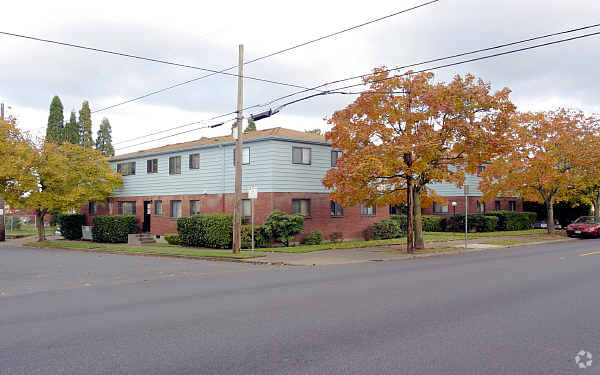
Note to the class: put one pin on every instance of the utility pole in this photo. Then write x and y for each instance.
(2, 228)
(2, 111)
(237, 213)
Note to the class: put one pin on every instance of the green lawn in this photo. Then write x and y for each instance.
(428, 237)
(226, 254)
(28, 229)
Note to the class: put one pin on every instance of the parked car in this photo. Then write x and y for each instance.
(585, 226)
(543, 224)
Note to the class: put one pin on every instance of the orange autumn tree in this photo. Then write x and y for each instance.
(409, 131)
(544, 163)
(588, 189)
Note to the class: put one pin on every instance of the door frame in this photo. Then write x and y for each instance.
(146, 227)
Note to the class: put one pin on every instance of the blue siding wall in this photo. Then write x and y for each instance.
(446, 189)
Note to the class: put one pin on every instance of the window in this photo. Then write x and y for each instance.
(480, 169)
(301, 155)
(301, 206)
(175, 165)
(195, 161)
(175, 209)
(126, 208)
(336, 209)
(194, 207)
(158, 208)
(439, 209)
(481, 207)
(398, 210)
(92, 208)
(335, 155)
(497, 206)
(512, 206)
(110, 208)
(152, 166)
(245, 155)
(367, 210)
(246, 208)
(126, 169)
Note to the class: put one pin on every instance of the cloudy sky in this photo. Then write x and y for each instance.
(206, 34)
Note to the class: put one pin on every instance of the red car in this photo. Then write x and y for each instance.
(585, 226)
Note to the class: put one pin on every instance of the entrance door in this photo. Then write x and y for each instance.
(147, 215)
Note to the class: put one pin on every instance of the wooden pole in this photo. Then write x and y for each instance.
(237, 213)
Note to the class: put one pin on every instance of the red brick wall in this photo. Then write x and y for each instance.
(352, 224)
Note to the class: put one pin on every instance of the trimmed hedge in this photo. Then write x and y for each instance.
(261, 239)
(214, 230)
(283, 227)
(513, 220)
(476, 222)
(70, 226)
(313, 238)
(394, 227)
(433, 223)
(114, 228)
(172, 239)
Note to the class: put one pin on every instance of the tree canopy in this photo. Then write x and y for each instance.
(72, 129)
(55, 132)
(104, 139)
(85, 125)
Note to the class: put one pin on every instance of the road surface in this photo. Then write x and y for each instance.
(526, 310)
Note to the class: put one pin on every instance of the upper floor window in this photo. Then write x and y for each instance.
(512, 205)
(175, 165)
(439, 209)
(480, 169)
(336, 209)
(152, 166)
(301, 206)
(126, 169)
(367, 210)
(175, 209)
(301, 155)
(335, 155)
(195, 161)
(126, 208)
(92, 208)
(245, 155)
(194, 207)
(158, 209)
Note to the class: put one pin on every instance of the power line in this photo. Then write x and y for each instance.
(336, 90)
(266, 56)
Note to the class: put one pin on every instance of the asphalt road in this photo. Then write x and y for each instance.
(525, 310)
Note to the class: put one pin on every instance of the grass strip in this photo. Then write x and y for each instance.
(226, 254)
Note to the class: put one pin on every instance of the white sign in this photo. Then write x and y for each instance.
(1, 212)
(253, 192)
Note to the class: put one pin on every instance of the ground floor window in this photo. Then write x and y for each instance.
(336, 209)
(92, 208)
(194, 207)
(158, 209)
(175, 209)
(126, 208)
(246, 208)
(481, 207)
(301, 206)
(366, 210)
(398, 210)
(497, 206)
(512, 205)
(439, 209)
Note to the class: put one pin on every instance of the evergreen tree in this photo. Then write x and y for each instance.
(72, 130)
(85, 125)
(104, 139)
(55, 132)
(251, 126)
(313, 131)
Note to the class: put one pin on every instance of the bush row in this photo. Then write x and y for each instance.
(113, 229)
(70, 226)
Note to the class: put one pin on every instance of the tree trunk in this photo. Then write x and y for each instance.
(550, 214)
(40, 225)
(418, 223)
(596, 203)
(409, 206)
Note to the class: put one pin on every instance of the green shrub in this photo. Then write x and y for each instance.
(70, 226)
(283, 227)
(433, 223)
(386, 229)
(513, 220)
(55, 220)
(172, 239)
(261, 239)
(476, 222)
(313, 238)
(214, 230)
(113, 229)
